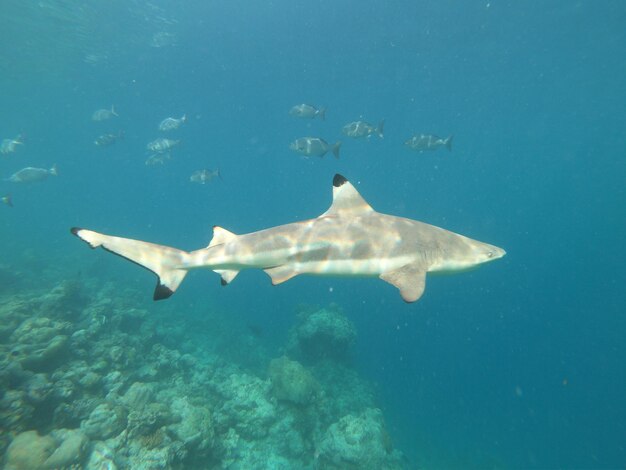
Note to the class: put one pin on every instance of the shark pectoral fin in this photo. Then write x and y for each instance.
(227, 275)
(410, 279)
(280, 274)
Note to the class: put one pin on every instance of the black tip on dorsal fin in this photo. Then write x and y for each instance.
(162, 292)
(339, 180)
(223, 282)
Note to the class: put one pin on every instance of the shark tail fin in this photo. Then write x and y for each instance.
(169, 264)
(336, 148)
(322, 114)
(53, 170)
(448, 143)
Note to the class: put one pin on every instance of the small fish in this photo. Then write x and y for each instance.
(162, 145)
(170, 123)
(103, 114)
(31, 175)
(105, 140)
(8, 146)
(157, 159)
(6, 199)
(306, 111)
(359, 129)
(204, 176)
(424, 142)
(314, 147)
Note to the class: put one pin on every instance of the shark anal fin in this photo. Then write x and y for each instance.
(409, 279)
(227, 275)
(280, 274)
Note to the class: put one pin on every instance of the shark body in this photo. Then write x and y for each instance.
(349, 239)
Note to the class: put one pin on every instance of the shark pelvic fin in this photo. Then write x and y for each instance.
(227, 275)
(410, 279)
(220, 236)
(280, 274)
(346, 199)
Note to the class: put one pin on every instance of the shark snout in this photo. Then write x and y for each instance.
(494, 252)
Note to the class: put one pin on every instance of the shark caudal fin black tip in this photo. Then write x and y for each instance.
(162, 292)
(75, 230)
(339, 180)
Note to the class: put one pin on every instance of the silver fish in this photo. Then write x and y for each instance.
(157, 159)
(423, 142)
(8, 146)
(170, 123)
(31, 175)
(314, 147)
(162, 145)
(306, 111)
(105, 140)
(204, 176)
(103, 114)
(358, 129)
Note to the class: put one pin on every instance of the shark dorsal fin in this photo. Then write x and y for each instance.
(346, 199)
(220, 236)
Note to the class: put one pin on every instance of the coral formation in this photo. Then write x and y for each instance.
(98, 382)
(60, 449)
(29, 450)
(104, 421)
(358, 442)
(322, 334)
(292, 382)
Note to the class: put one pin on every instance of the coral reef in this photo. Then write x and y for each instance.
(29, 450)
(358, 442)
(98, 382)
(60, 449)
(104, 421)
(292, 382)
(321, 334)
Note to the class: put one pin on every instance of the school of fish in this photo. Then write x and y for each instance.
(160, 149)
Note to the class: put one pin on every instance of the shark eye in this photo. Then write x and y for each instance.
(490, 254)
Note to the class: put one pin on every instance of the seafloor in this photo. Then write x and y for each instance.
(91, 380)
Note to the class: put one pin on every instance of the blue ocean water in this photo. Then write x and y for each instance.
(516, 365)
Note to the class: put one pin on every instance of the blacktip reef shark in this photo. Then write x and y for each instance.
(349, 239)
